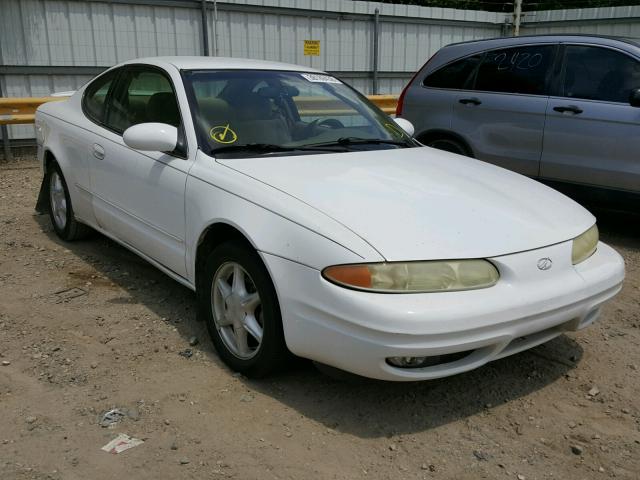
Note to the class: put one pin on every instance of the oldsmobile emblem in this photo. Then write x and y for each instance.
(544, 263)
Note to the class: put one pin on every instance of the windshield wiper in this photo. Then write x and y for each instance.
(359, 141)
(269, 148)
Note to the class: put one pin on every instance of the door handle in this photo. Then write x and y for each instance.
(470, 101)
(568, 108)
(98, 151)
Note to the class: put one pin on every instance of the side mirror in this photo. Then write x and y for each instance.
(405, 125)
(634, 97)
(156, 137)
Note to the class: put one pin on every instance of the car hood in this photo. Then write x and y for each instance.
(421, 203)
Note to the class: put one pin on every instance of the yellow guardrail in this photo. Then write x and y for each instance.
(14, 111)
(386, 103)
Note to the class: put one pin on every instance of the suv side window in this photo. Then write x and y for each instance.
(456, 75)
(516, 70)
(94, 98)
(596, 73)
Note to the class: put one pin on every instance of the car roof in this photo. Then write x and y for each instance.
(220, 63)
(551, 37)
(454, 51)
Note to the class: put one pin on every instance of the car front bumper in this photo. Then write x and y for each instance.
(357, 331)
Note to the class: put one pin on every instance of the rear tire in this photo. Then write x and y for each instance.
(449, 145)
(241, 310)
(60, 209)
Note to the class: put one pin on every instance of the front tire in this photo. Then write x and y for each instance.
(449, 145)
(60, 208)
(241, 310)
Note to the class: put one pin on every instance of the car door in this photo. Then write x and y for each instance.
(74, 139)
(592, 133)
(139, 196)
(502, 115)
(427, 104)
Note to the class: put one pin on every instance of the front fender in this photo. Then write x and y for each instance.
(224, 196)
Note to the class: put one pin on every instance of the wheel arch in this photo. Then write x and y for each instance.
(214, 234)
(438, 133)
(48, 159)
(42, 204)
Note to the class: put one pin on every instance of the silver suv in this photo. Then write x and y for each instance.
(559, 108)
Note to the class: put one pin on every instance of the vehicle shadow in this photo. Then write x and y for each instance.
(126, 279)
(370, 408)
(362, 407)
(618, 228)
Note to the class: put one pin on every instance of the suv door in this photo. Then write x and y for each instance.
(502, 114)
(427, 104)
(592, 134)
(139, 196)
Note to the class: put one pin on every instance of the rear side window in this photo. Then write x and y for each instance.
(516, 70)
(456, 75)
(595, 73)
(95, 96)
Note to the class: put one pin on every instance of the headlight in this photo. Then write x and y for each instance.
(414, 277)
(585, 245)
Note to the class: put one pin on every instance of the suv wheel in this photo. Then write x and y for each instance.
(449, 145)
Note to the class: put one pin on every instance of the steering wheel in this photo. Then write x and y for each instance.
(331, 123)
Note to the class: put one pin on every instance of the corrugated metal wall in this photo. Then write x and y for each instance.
(616, 21)
(56, 45)
(84, 35)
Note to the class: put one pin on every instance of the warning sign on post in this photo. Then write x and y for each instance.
(312, 47)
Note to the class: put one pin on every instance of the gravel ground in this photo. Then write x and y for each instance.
(88, 326)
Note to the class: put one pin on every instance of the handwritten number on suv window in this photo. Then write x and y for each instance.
(518, 60)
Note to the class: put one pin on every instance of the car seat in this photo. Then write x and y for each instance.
(258, 122)
(163, 108)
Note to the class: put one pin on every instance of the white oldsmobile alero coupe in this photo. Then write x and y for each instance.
(310, 222)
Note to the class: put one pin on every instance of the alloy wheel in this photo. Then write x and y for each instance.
(58, 200)
(237, 310)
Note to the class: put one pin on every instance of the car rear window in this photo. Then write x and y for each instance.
(456, 75)
(93, 101)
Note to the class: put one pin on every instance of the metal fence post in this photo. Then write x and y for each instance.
(517, 16)
(5, 138)
(205, 29)
(376, 32)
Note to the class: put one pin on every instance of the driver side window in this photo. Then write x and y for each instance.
(595, 73)
(143, 95)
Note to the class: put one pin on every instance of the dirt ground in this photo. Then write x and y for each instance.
(88, 326)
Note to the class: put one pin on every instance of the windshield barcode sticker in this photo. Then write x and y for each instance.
(317, 78)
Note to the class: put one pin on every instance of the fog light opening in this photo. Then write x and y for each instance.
(422, 362)
(406, 362)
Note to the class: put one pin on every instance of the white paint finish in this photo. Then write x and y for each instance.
(305, 213)
(357, 331)
(139, 197)
(403, 201)
(405, 125)
(272, 220)
(153, 137)
(212, 63)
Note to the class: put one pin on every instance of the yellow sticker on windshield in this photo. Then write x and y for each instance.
(223, 134)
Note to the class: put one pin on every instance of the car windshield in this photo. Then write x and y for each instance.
(240, 113)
